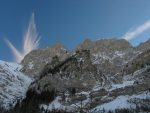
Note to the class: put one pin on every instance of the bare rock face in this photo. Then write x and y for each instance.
(111, 53)
(76, 71)
(104, 45)
(35, 61)
(74, 74)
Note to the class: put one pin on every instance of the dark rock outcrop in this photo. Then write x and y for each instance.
(75, 71)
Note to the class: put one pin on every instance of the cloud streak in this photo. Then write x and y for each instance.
(140, 29)
(31, 37)
(17, 54)
(30, 41)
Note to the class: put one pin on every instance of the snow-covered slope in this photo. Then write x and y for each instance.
(13, 84)
(122, 102)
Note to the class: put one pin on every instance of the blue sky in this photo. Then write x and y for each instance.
(71, 21)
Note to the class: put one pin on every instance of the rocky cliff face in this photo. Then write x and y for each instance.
(76, 71)
(74, 74)
(105, 45)
(35, 61)
(111, 53)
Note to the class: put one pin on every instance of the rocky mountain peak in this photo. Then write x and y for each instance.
(105, 45)
(45, 55)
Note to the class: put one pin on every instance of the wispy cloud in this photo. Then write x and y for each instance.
(140, 29)
(17, 54)
(31, 37)
(30, 42)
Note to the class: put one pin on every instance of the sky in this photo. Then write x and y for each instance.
(71, 21)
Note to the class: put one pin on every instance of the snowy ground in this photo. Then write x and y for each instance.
(56, 105)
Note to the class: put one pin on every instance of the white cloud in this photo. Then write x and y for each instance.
(30, 42)
(140, 29)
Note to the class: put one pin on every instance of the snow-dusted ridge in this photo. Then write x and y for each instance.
(13, 84)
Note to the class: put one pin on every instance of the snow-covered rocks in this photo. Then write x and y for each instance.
(13, 84)
(123, 102)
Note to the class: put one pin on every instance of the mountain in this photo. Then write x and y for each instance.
(106, 75)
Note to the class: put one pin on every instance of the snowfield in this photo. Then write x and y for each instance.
(13, 84)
